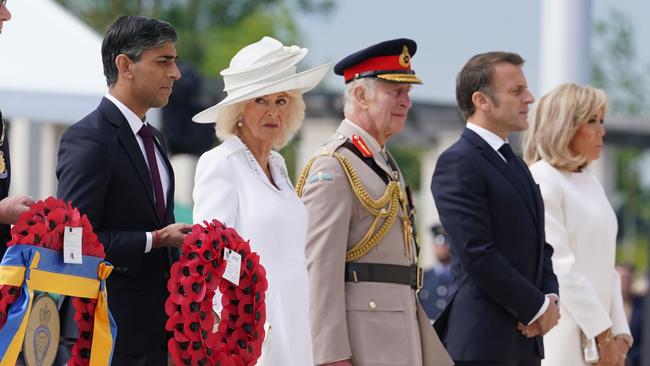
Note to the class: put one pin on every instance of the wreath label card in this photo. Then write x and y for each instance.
(233, 266)
(72, 245)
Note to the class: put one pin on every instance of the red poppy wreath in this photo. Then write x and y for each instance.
(43, 226)
(194, 279)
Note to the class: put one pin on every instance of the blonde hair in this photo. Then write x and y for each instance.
(554, 120)
(230, 115)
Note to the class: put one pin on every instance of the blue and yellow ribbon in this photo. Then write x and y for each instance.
(40, 269)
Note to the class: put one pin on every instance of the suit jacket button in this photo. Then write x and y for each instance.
(166, 275)
(372, 304)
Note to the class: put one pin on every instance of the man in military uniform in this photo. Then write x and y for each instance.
(435, 289)
(361, 253)
(10, 207)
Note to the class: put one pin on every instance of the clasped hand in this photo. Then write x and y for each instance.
(544, 323)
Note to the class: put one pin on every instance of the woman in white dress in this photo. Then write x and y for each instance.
(565, 134)
(244, 183)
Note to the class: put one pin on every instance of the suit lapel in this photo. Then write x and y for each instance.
(130, 145)
(488, 152)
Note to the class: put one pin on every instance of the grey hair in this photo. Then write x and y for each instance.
(368, 84)
(229, 116)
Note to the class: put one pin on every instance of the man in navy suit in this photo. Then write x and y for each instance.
(113, 166)
(505, 292)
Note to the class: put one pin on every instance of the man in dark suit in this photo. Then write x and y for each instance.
(113, 166)
(506, 293)
(10, 207)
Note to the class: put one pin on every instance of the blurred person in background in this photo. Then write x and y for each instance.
(10, 207)
(435, 289)
(633, 302)
(565, 135)
(244, 183)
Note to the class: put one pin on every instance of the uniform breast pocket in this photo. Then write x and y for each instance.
(377, 324)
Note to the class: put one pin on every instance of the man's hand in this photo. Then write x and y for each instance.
(171, 235)
(545, 322)
(529, 331)
(338, 363)
(12, 207)
(550, 317)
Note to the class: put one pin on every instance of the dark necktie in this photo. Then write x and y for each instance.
(147, 137)
(507, 153)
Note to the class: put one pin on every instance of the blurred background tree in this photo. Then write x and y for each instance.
(617, 70)
(210, 31)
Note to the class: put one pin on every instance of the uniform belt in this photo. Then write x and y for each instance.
(388, 273)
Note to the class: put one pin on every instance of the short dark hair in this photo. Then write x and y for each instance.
(476, 75)
(131, 35)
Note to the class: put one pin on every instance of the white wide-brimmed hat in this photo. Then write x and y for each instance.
(262, 68)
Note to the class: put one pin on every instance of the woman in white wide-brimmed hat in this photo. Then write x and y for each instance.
(244, 183)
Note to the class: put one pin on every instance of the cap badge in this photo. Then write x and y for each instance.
(405, 57)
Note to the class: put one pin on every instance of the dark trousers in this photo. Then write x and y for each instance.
(152, 359)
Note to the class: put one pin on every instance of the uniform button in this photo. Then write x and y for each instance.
(441, 290)
(372, 305)
(424, 294)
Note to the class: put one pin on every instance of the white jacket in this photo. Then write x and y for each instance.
(581, 226)
(231, 187)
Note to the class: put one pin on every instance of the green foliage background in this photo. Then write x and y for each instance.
(617, 70)
(210, 31)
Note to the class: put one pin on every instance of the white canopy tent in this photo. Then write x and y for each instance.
(51, 75)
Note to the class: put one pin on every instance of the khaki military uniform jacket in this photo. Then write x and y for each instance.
(371, 323)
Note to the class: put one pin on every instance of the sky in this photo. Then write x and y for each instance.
(448, 33)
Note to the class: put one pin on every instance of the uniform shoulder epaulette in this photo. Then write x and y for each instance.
(332, 145)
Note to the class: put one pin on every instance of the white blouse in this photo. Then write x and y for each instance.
(581, 226)
(231, 186)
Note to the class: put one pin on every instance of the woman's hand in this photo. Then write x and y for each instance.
(623, 347)
(610, 355)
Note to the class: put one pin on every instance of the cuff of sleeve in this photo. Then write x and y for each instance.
(149, 242)
(541, 311)
(627, 338)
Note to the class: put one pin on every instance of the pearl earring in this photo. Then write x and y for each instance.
(239, 124)
(240, 121)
